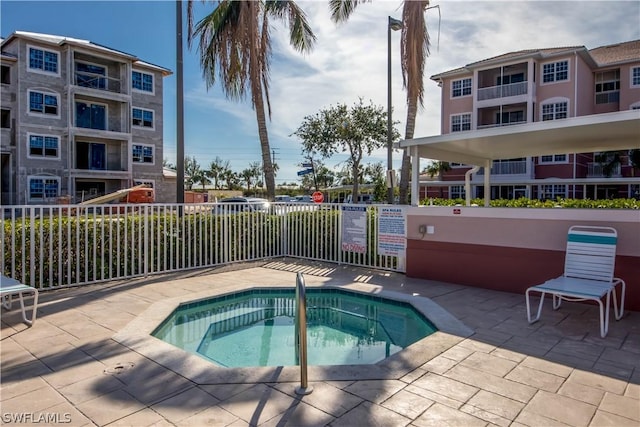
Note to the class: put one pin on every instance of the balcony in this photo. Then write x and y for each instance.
(502, 91)
(508, 167)
(596, 170)
(495, 125)
(608, 97)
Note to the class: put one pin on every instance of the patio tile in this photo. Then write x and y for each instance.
(632, 343)
(546, 366)
(143, 418)
(624, 406)
(22, 371)
(415, 374)
(573, 361)
(491, 364)
(408, 404)
(375, 390)
(90, 388)
(35, 401)
(110, 407)
(440, 415)
(150, 388)
(535, 378)
(214, 416)
(520, 392)
(477, 346)
(491, 336)
(457, 353)
(613, 369)
(633, 390)
(64, 375)
(325, 397)
(606, 419)
(258, 404)
(598, 381)
(533, 419)
(581, 392)
(561, 408)
(66, 414)
(447, 387)
(493, 420)
(11, 390)
(370, 415)
(184, 404)
(496, 404)
(578, 348)
(622, 357)
(224, 391)
(300, 414)
(439, 365)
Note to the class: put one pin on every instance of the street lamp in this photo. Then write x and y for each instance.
(394, 25)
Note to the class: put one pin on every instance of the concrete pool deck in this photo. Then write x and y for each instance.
(88, 360)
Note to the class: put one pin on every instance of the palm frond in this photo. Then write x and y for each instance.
(341, 10)
(414, 48)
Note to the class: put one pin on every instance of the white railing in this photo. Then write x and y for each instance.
(54, 246)
(502, 91)
(596, 170)
(517, 167)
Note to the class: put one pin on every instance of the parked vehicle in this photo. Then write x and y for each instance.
(303, 199)
(243, 204)
(283, 198)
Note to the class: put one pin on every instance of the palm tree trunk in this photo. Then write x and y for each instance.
(267, 166)
(405, 172)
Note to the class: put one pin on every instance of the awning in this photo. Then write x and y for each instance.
(619, 130)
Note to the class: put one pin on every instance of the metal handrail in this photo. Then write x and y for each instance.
(301, 335)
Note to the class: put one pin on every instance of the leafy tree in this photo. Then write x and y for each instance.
(414, 49)
(358, 130)
(375, 174)
(193, 172)
(610, 160)
(216, 170)
(234, 44)
(437, 168)
(167, 164)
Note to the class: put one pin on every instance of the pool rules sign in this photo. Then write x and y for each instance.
(354, 229)
(392, 227)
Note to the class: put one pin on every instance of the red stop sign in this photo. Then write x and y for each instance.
(317, 197)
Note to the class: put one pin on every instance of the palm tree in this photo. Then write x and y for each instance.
(414, 49)
(216, 170)
(235, 46)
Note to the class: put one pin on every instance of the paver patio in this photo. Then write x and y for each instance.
(74, 368)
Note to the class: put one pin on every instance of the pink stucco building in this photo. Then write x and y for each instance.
(533, 86)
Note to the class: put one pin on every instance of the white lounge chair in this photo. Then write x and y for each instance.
(588, 274)
(10, 288)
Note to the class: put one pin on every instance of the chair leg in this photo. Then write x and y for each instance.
(24, 311)
(542, 294)
(619, 312)
(604, 317)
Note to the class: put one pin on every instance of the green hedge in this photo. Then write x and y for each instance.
(534, 203)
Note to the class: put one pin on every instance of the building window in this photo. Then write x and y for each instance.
(5, 121)
(41, 60)
(461, 122)
(555, 71)
(142, 153)
(608, 87)
(149, 183)
(91, 75)
(142, 81)
(555, 158)
(510, 117)
(142, 118)
(460, 88)
(43, 103)
(510, 79)
(554, 111)
(635, 77)
(456, 192)
(41, 188)
(552, 192)
(43, 145)
(91, 116)
(5, 75)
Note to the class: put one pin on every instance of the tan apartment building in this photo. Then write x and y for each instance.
(78, 120)
(534, 86)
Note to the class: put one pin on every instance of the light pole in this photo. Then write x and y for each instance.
(394, 25)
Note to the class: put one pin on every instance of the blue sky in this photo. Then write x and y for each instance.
(348, 62)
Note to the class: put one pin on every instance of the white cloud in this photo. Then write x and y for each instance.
(350, 60)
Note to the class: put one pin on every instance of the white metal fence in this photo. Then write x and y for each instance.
(54, 246)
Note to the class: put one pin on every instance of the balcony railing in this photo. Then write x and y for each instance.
(608, 97)
(97, 81)
(502, 91)
(596, 170)
(516, 167)
(495, 125)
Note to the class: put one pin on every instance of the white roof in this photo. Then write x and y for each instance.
(585, 134)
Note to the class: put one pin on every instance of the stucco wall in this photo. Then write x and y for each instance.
(512, 249)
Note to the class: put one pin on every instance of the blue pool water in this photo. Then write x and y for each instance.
(256, 328)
